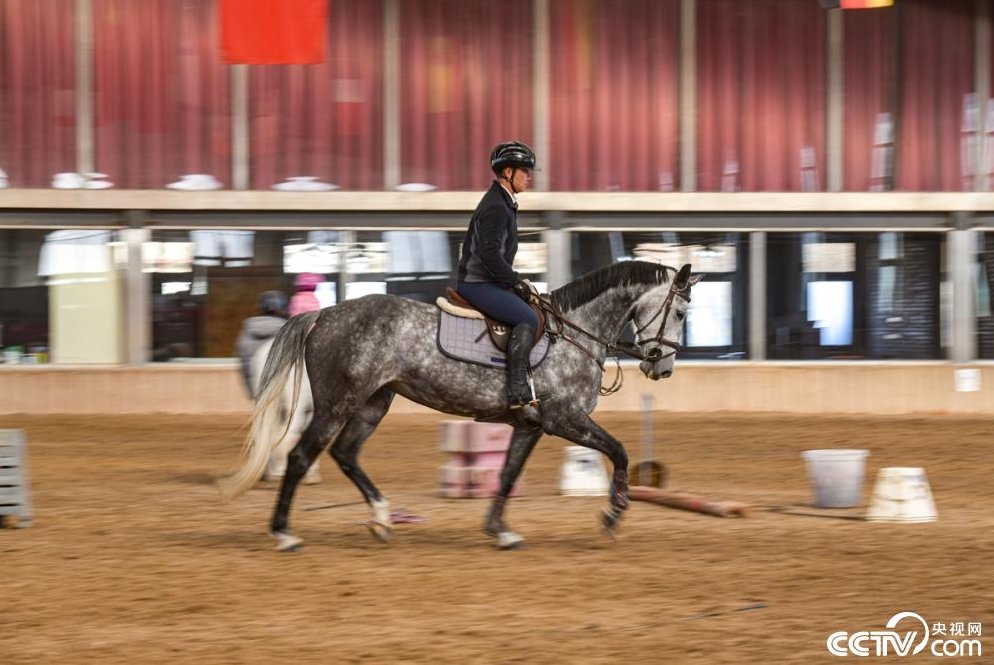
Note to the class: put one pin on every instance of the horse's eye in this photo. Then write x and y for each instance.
(680, 316)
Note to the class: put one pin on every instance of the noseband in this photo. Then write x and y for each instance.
(655, 354)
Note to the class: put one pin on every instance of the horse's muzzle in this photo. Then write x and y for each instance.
(649, 370)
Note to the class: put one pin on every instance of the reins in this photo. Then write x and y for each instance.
(554, 315)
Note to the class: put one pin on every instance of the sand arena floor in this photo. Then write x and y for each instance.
(132, 558)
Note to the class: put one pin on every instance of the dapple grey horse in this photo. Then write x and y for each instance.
(362, 352)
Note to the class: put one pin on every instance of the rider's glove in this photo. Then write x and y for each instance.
(523, 290)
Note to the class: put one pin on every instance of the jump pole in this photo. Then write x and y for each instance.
(683, 501)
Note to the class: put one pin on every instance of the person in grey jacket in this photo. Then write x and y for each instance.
(257, 329)
(486, 276)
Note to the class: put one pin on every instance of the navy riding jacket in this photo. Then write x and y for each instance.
(491, 240)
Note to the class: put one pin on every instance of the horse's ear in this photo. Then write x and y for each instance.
(696, 278)
(682, 277)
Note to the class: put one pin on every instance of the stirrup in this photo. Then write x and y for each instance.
(532, 403)
(527, 414)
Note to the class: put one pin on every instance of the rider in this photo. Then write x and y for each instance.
(257, 329)
(486, 278)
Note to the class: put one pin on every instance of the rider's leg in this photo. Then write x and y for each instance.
(504, 305)
(519, 348)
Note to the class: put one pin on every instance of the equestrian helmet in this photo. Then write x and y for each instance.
(273, 303)
(512, 153)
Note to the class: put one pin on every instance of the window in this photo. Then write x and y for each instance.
(206, 282)
(853, 295)
(61, 296)
(716, 325)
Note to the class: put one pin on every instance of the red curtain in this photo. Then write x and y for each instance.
(37, 90)
(614, 95)
(761, 95)
(466, 85)
(937, 70)
(162, 105)
(869, 100)
(324, 120)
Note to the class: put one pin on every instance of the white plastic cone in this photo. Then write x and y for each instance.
(583, 473)
(902, 494)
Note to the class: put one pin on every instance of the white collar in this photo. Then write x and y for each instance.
(514, 199)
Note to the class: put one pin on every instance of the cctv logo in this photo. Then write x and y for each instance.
(907, 642)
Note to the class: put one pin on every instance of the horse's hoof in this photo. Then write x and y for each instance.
(286, 542)
(508, 540)
(609, 523)
(382, 532)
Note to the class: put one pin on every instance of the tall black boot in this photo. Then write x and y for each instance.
(519, 348)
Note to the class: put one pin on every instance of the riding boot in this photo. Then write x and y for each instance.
(519, 393)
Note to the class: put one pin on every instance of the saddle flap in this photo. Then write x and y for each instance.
(499, 331)
(468, 340)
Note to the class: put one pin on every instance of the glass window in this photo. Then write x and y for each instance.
(206, 282)
(716, 323)
(61, 296)
(985, 293)
(851, 296)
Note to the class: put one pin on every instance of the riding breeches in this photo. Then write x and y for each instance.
(498, 302)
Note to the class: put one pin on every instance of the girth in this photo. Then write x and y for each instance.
(499, 331)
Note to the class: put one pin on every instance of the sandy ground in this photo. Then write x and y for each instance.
(132, 558)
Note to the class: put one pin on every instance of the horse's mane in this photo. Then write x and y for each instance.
(587, 287)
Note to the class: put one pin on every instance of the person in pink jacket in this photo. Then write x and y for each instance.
(304, 299)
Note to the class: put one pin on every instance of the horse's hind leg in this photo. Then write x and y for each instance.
(300, 459)
(345, 451)
(522, 443)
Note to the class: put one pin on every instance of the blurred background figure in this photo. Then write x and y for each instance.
(252, 348)
(304, 299)
(256, 330)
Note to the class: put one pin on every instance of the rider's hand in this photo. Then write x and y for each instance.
(522, 290)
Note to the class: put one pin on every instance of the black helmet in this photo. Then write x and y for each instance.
(512, 153)
(272, 303)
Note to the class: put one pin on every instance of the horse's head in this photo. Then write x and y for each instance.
(659, 316)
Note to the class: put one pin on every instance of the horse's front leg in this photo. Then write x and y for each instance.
(578, 427)
(523, 441)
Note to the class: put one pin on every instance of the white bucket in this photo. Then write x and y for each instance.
(836, 476)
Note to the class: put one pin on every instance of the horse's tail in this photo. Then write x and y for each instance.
(271, 417)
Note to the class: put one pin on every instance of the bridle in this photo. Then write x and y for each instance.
(654, 354)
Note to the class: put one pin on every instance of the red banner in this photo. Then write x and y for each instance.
(273, 32)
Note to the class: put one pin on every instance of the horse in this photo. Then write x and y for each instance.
(296, 414)
(362, 352)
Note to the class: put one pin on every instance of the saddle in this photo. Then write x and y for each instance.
(499, 331)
